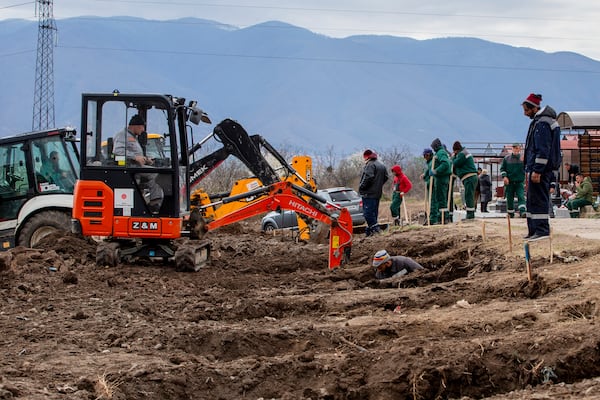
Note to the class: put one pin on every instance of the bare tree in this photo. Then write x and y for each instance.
(222, 179)
(394, 155)
(350, 170)
(330, 172)
(329, 169)
(324, 169)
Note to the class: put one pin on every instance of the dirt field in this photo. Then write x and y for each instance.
(268, 320)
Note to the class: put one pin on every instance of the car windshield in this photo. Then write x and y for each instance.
(344, 195)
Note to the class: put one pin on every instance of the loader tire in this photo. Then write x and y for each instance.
(42, 225)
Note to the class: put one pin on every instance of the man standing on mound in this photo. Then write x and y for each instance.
(542, 155)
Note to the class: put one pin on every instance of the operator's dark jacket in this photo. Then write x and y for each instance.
(374, 176)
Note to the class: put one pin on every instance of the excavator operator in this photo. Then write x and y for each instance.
(127, 145)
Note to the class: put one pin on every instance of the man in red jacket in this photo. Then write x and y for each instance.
(401, 186)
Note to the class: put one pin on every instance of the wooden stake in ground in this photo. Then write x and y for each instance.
(405, 211)
(430, 189)
(527, 261)
(450, 194)
(429, 202)
(427, 208)
(551, 253)
(509, 232)
(483, 229)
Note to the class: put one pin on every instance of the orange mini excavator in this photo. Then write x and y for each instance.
(139, 206)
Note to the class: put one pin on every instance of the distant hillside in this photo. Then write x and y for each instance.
(300, 89)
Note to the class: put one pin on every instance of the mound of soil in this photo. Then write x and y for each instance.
(267, 319)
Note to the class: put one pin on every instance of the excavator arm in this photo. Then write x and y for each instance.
(282, 196)
(238, 143)
(249, 150)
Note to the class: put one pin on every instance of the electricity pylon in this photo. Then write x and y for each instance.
(43, 98)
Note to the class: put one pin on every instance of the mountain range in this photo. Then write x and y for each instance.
(300, 90)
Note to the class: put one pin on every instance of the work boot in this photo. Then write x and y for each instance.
(574, 214)
(397, 221)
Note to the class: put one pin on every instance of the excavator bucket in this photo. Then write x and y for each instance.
(340, 240)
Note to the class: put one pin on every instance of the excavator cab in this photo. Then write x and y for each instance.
(109, 157)
(137, 206)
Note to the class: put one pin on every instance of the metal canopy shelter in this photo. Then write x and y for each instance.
(579, 120)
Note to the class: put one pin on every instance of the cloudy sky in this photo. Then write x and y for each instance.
(548, 25)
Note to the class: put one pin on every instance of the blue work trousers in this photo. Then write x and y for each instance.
(371, 214)
(538, 200)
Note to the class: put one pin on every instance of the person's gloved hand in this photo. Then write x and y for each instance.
(432, 172)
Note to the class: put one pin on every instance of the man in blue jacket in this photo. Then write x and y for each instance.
(540, 154)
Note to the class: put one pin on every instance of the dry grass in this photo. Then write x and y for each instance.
(105, 388)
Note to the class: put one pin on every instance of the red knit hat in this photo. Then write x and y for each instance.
(369, 154)
(397, 169)
(533, 99)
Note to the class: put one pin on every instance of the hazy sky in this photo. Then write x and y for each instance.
(548, 25)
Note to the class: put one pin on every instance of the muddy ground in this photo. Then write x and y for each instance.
(268, 320)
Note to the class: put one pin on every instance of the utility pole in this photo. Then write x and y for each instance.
(43, 98)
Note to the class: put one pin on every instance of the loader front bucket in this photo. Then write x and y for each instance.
(340, 240)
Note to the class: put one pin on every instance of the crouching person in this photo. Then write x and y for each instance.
(387, 266)
(584, 195)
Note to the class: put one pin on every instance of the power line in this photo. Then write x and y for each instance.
(16, 53)
(331, 60)
(17, 5)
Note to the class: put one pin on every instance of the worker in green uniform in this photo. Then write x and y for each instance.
(465, 169)
(583, 196)
(512, 170)
(441, 169)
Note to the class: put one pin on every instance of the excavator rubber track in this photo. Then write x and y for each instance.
(108, 254)
(192, 255)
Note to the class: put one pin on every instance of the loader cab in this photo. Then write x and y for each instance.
(37, 163)
(38, 171)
